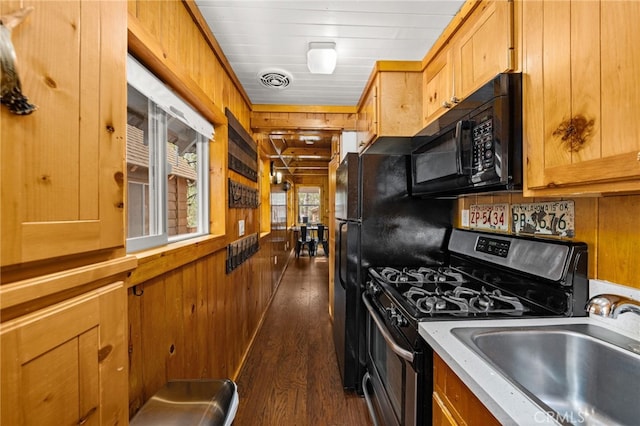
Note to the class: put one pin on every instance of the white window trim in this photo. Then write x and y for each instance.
(151, 87)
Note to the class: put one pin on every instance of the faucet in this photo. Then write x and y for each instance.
(611, 305)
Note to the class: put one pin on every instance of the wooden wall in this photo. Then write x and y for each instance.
(195, 321)
(607, 224)
(187, 317)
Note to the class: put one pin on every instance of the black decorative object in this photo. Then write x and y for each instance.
(286, 186)
(243, 151)
(240, 250)
(11, 89)
(242, 196)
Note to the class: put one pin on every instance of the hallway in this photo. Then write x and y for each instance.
(291, 375)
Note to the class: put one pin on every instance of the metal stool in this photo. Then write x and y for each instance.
(190, 402)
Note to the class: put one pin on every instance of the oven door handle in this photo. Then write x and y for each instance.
(372, 412)
(395, 347)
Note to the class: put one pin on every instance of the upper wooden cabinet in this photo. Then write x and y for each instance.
(440, 91)
(479, 49)
(63, 165)
(392, 103)
(581, 91)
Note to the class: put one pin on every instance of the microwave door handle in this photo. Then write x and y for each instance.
(395, 347)
(459, 165)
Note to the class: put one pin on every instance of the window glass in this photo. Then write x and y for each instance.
(309, 204)
(167, 175)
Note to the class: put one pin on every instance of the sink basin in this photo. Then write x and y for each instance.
(581, 374)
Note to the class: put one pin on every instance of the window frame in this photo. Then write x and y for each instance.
(319, 205)
(162, 104)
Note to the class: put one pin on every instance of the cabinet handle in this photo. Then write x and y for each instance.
(454, 99)
(446, 104)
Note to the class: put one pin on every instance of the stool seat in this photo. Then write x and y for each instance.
(190, 402)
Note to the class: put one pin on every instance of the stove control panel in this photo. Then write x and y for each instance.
(493, 246)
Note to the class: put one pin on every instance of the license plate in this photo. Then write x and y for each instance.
(489, 216)
(548, 218)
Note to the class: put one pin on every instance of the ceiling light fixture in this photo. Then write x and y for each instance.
(321, 57)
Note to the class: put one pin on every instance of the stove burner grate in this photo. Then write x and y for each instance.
(462, 301)
(421, 276)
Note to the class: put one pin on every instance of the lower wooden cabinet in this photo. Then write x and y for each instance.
(441, 414)
(453, 401)
(67, 364)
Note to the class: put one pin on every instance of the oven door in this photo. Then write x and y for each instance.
(391, 385)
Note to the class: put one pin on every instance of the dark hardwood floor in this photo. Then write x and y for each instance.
(291, 375)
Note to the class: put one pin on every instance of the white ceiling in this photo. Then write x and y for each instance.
(258, 36)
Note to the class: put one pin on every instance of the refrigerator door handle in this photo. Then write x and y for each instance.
(339, 254)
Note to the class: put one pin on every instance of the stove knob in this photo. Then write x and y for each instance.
(400, 321)
(375, 289)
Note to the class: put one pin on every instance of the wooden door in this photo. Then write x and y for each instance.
(66, 364)
(63, 165)
(580, 108)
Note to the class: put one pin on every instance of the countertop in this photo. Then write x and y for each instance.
(506, 402)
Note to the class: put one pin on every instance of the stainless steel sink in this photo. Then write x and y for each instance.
(582, 374)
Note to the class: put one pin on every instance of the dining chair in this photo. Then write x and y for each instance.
(321, 239)
(304, 240)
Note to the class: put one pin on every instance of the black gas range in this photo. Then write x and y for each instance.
(488, 276)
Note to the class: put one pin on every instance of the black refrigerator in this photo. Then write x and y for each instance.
(377, 224)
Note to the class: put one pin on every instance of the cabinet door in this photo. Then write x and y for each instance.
(62, 166)
(441, 414)
(581, 130)
(483, 47)
(399, 103)
(66, 364)
(454, 401)
(368, 117)
(438, 84)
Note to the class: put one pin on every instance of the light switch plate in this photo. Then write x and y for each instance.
(241, 227)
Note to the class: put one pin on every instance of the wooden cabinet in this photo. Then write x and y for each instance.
(453, 402)
(485, 46)
(480, 48)
(63, 165)
(392, 103)
(581, 127)
(67, 364)
(440, 92)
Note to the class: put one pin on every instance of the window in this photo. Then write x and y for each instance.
(167, 164)
(309, 204)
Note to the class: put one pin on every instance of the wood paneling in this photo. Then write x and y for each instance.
(618, 242)
(192, 320)
(195, 322)
(267, 120)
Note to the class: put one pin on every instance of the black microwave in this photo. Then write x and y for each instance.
(476, 146)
